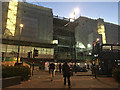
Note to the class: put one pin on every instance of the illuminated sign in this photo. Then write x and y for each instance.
(11, 17)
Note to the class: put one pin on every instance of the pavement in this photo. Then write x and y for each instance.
(41, 79)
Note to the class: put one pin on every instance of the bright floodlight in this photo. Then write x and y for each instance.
(76, 10)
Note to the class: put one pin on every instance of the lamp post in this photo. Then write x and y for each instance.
(21, 26)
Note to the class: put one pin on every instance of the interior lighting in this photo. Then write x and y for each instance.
(11, 17)
(101, 30)
(55, 41)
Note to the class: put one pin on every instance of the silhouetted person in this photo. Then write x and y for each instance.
(21, 59)
(52, 68)
(66, 73)
(75, 68)
(60, 67)
(33, 65)
(94, 69)
(49, 69)
(88, 66)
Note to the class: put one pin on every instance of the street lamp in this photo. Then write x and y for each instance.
(21, 27)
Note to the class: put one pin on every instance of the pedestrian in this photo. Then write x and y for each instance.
(75, 68)
(88, 66)
(94, 69)
(49, 68)
(57, 67)
(66, 73)
(33, 65)
(60, 68)
(32, 68)
(21, 59)
(52, 70)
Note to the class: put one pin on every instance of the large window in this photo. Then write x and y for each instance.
(11, 51)
(116, 48)
(106, 47)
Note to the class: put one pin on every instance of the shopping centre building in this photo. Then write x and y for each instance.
(89, 30)
(53, 37)
(37, 30)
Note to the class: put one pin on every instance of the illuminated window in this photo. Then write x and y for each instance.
(106, 48)
(11, 17)
(116, 47)
(55, 41)
(80, 45)
(101, 30)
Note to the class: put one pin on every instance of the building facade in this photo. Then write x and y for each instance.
(52, 36)
(65, 36)
(89, 30)
(36, 33)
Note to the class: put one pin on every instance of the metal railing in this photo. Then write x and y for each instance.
(62, 18)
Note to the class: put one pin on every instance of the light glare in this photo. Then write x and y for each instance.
(89, 45)
(71, 15)
(76, 10)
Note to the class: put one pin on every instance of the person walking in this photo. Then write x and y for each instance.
(60, 67)
(66, 73)
(75, 68)
(52, 68)
(49, 68)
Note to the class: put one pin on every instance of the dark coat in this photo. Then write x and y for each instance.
(52, 66)
(66, 70)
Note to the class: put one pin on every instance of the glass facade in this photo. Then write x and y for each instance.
(11, 51)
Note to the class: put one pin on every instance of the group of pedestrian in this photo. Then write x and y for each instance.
(65, 70)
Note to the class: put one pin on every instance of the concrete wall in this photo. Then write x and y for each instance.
(111, 33)
(4, 15)
(86, 27)
(38, 23)
(86, 31)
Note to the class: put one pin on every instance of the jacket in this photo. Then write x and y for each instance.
(66, 70)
